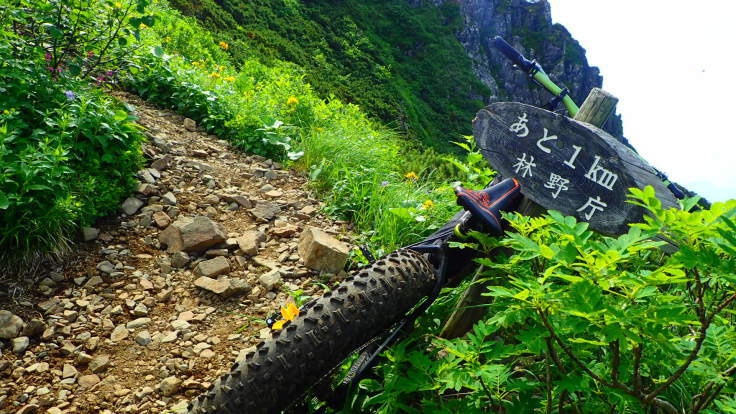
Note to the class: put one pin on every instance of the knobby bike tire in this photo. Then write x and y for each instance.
(284, 367)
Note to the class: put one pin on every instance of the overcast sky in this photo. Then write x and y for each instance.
(672, 65)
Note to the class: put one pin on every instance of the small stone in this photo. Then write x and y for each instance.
(285, 231)
(20, 344)
(131, 205)
(93, 281)
(137, 323)
(140, 310)
(179, 259)
(166, 337)
(147, 189)
(143, 338)
(186, 316)
(207, 353)
(190, 124)
(242, 201)
(119, 333)
(10, 325)
(308, 210)
(180, 325)
(163, 162)
(28, 409)
(274, 194)
(69, 371)
(38, 367)
(169, 199)
(265, 210)
(213, 285)
(322, 252)
(86, 381)
(84, 358)
(90, 233)
(213, 267)
(250, 240)
(238, 287)
(170, 386)
(271, 279)
(197, 153)
(146, 176)
(161, 219)
(106, 267)
(34, 327)
(99, 364)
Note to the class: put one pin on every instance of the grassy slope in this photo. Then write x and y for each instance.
(401, 64)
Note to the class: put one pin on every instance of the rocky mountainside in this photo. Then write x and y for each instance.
(527, 25)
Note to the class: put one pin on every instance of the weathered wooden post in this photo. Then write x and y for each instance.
(562, 164)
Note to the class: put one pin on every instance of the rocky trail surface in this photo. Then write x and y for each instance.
(163, 298)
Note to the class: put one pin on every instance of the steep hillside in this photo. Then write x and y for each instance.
(422, 66)
(402, 64)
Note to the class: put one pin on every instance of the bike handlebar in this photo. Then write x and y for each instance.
(512, 54)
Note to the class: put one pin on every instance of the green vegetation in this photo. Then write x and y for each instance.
(581, 322)
(67, 151)
(400, 63)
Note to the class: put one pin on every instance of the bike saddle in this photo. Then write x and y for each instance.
(485, 205)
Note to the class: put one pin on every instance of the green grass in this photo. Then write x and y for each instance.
(413, 75)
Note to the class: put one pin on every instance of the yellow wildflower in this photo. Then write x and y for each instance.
(229, 78)
(195, 63)
(288, 313)
(427, 204)
(118, 5)
(292, 100)
(411, 175)
(142, 26)
(224, 45)
(167, 39)
(214, 75)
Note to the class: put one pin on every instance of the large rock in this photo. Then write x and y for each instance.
(213, 267)
(10, 325)
(250, 240)
(192, 234)
(322, 252)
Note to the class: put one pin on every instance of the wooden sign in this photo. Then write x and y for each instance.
(566, 165)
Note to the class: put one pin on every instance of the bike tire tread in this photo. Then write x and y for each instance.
(284, 367)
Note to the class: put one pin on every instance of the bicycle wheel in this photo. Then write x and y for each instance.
(283, 368)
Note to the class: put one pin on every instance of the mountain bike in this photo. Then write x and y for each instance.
(377, 304)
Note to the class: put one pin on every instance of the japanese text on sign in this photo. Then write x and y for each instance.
(558, 182)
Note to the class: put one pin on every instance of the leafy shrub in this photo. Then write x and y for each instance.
(581, 322)
(67, 151)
